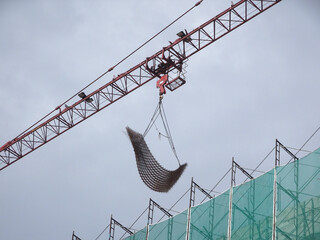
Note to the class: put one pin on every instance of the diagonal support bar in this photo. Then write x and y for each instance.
(113, 224)
(278, 148)
(167, 60)
(193, 188)
(236, 166)
(153, 204)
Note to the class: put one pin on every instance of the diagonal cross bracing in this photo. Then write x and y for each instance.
(172, 56)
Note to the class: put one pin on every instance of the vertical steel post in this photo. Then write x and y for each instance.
(74, 237)
(305, 222)
(312, 217)
(253, 188)
(192, 192)
(233, 171)
(211, 218)
(147, 235)
(276, 196)
(188, 224)
(170, 228)
(193, 187)
(277, 154)
(150, 212)
(274, 204)
(111, 229)
(296, 180)
(276, 163)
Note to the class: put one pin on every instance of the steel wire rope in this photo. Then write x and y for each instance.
(170, 139)
(159, 111)
(217, 31)
(102, 231)
(174, 204)
(216, 184)
(110, 69)
(212, 190)
(250, 12)
(207, 190)
(290, 159)
(250, 169)
(160, 134)
(153, 119)
(189, 48)
(300, 149)
(254, 170)
(135, 221)
(167, 129)
(167, 209)
(281, 169)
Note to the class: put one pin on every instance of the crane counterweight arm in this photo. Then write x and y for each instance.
(168, 60)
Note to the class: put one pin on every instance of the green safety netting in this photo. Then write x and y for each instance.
(252, 208)
(173, 228)
(140, 235)
(298, 199)
(210, 219)
(296, 205)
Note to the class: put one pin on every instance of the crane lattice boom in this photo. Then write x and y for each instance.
(170, 59)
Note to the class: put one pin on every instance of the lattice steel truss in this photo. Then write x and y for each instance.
(170, 60)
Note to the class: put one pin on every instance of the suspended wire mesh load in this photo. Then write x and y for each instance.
(151, 172)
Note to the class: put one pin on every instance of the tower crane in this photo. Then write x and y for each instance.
(168, 62)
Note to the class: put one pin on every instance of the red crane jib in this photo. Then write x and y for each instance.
(168, 60)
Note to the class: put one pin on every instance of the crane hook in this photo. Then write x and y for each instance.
(161, 83)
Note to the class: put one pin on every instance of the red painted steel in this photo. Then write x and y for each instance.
(168, 60)
(161, 83)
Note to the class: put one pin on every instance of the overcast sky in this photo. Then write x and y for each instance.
(259, 83)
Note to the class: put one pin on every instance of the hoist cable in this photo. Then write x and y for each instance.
(159, 111)
(160, 134)
(154, 36)
(152, 121)
(167, 129)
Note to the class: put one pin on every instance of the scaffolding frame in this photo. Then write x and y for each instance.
(112, 226)
(153, 204)
(276, 196)
(193, 188)
(301, 206)
(75, 237)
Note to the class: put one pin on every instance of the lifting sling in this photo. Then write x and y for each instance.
(151, 172)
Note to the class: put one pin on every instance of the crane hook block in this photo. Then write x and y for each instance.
(151, 172)
(161, 83)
